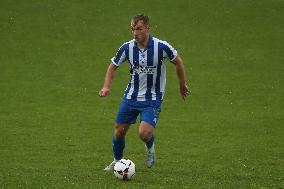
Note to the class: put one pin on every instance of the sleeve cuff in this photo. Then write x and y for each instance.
(113, 62)
(175, 55)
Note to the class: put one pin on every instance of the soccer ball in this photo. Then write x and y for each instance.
(124, 169)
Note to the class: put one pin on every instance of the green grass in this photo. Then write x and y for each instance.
(55, 132)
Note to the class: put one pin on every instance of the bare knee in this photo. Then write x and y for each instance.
(145, 136)
(120, 130)
(145, 131)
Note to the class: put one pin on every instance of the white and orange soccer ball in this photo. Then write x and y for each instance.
(124, 169)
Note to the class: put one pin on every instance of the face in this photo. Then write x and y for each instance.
(140, 31)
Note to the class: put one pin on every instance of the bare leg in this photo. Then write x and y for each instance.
(145, 131)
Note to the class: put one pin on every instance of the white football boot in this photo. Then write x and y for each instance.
(150, 156)
(111, 166)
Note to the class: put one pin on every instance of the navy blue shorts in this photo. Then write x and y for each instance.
(129, 110)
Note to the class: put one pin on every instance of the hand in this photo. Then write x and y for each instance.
(104, 92)
(184, 91)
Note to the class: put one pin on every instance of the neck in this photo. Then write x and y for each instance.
(143, 44)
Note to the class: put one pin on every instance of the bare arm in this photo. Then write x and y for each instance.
(183, 88)
(108, 78)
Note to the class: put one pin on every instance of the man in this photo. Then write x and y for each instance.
(144, 93)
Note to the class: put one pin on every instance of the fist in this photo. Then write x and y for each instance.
(184, 91)
(104, 92)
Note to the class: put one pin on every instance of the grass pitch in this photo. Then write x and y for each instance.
(55, 132)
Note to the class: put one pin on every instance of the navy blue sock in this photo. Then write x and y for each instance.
(150, 143)
(118, 146)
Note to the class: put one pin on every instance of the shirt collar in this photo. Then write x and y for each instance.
(150, 43)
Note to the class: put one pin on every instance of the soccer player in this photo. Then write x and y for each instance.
(144, 93)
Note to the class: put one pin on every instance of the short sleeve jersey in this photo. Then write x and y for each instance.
(147, 68)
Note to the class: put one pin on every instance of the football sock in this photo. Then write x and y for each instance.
(150, 143)
(118, 146)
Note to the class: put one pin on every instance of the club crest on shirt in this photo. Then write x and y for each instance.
(143, 69)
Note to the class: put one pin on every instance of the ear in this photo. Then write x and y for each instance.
(148, 27)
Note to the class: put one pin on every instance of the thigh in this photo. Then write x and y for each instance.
(126, 115)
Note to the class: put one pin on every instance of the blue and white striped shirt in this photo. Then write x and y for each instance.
(147, 68)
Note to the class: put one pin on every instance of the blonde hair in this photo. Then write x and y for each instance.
(139, 17)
